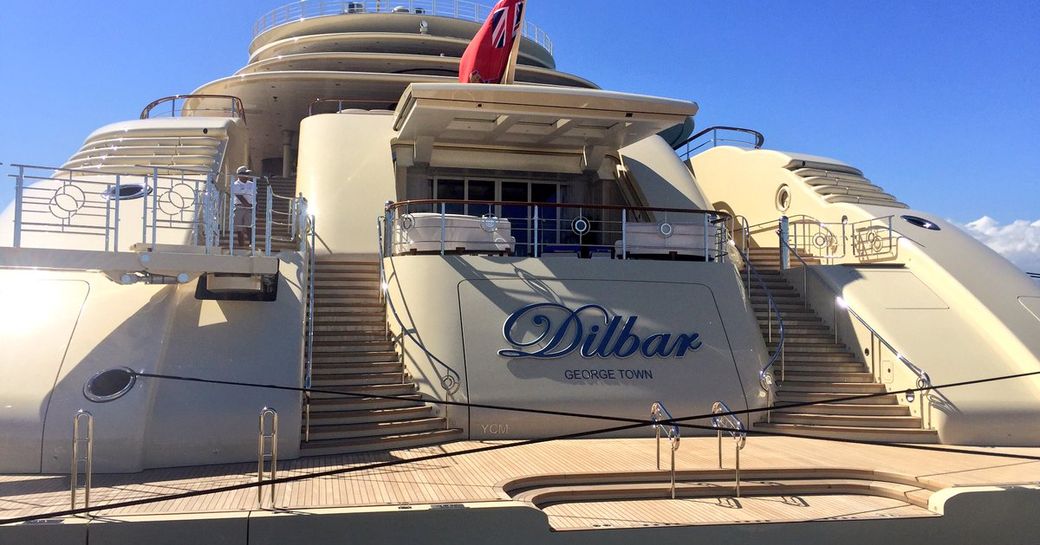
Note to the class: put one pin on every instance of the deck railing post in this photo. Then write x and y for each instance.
(231, 222)
(624, 238)
(785, 251)
(19, 188)
(155, 204)
(535, 241)
(267, 219)
(115, 228)
(443, 227)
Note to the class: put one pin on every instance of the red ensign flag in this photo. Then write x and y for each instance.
(487, 55)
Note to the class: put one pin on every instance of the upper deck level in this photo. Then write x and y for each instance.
(451, 19)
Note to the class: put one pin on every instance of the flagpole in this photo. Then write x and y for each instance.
(510, 73)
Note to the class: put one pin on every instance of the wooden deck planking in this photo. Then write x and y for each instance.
(473, 477)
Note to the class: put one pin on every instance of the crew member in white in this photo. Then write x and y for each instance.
(243, 190)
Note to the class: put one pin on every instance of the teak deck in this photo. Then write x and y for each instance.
(478, 477)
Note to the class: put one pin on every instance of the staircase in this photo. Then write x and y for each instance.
(818, 368)
(352, 354)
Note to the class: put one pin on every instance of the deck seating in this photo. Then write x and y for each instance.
(420, 232)
(674, 239)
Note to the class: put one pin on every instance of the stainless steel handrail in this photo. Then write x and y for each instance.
(765, 376)
(455, 9)
(88, 458)
(236, 109)
(715, 140)
(308, 241)
(267, 449)
(659, 413)
(450, 381)
(923, 380)
(724, 420)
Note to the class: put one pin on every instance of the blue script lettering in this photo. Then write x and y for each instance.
(613, 338)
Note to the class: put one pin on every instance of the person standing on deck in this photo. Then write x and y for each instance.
(243, 190)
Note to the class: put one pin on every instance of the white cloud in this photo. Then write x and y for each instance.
(1019, 241)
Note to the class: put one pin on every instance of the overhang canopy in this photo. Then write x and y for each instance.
(531, 118)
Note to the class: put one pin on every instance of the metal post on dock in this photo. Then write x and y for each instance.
(82, 419)
(268, 437)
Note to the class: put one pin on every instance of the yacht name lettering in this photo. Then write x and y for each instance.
(613, 338)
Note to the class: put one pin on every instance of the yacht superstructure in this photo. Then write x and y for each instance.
(430, 266)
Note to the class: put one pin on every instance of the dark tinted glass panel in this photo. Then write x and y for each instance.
(481, 190)
(451, 190)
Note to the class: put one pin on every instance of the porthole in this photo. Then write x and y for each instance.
(921, 222)
(581, 226)
(665, 229)
(127, 192)
(109, 385)
(783, 198)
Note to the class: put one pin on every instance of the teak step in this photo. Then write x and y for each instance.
(371, 415)
(373, 429)
(339, 404)
(857, 409)
(855, 421)
(343, 369)
(886, 435)
(387, 442)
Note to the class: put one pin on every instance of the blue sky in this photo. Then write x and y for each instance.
(937, 101)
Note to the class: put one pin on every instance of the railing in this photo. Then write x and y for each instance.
(267, 451)
(692, 145)
(659, 413)
(335, 105)
(765, 375)
(724, 420)
(556, 230)
(80, 420)
(308, 239)
(451, 381)
(923, 380)
(97, 205)
(1033, 275)
(871, 238)
(456, 9)
(195, 106)
(91, 203)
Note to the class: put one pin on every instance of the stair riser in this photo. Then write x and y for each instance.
(319, 434)
(910, 423)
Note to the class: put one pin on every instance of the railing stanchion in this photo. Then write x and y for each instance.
(115, 228)
(267, 449)
(442, 227)
(705, 217)
(624, 236)
(87, 459)
(535, 237)
(155, 205)
(785, 257)
(267, 221)
(19, 188)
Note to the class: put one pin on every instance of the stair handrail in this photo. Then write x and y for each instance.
(308, 238)
(923, 380)
(688, 152)
(659, 413)
(723, 419)
(765, 376)
(450, 381)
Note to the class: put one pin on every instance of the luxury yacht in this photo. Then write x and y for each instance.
(340, 296)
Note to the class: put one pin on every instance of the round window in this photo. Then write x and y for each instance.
(126, 192)
(109, 385)
(783, 198)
